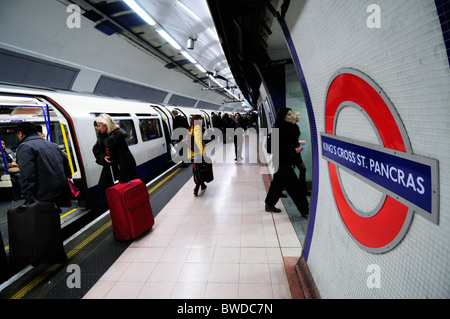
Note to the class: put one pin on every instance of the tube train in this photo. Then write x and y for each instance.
(68, 119)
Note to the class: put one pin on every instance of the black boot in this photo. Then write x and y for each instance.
(197, 186)
(272, 209)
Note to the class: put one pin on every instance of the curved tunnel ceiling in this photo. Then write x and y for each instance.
(248, 30)
(182, 19)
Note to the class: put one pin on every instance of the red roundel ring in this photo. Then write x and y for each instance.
(385, 229)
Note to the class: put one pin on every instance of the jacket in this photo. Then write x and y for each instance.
(43, 170)
(288, 143)
(123, 163)
(199, 145)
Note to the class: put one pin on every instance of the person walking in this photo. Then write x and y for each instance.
(298, 158)
(285, 177)
(196, 150)
(111, 151)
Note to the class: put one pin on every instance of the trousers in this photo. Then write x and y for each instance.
(285, 178)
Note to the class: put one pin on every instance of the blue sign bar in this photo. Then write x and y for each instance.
(405, 175)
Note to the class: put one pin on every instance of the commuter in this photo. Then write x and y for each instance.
(254, 121)
(217, 122)
(197, 149)
(44, 168)
(240, 128)
(228, 123)
(13, 167)
(298, 158)
(179, 121)
(39, 132)
(285, 177)
(111, 151)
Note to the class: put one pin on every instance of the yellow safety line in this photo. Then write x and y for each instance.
(163, 181)
(41, 277)
(87, 240)
(66, 145)
(34, 282)
(68, 213)
(48, 271)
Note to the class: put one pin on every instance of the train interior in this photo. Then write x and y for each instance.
(51, 126)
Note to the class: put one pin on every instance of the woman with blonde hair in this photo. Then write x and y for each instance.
(111, 151)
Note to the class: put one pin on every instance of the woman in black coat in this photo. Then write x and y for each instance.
(285, 177)
(111, 151)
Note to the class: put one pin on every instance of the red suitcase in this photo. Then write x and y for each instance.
(130, 210)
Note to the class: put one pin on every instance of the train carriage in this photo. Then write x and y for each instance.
(68, 119)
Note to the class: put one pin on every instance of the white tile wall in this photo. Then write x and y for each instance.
(407, 58)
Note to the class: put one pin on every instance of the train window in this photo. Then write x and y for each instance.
(150, 129)
(128, 127)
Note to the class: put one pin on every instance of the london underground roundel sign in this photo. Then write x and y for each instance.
(408, 182)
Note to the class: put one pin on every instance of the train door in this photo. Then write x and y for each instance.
(167, 126)
(53, 125)
(266, 123)
(166, 115)
(50, 124)
(207, 119)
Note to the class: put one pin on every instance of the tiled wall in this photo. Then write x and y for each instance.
(407, 57)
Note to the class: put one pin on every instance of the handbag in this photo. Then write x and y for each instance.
(73, 189)
(13, 170)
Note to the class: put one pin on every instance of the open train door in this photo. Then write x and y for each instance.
(167, 127)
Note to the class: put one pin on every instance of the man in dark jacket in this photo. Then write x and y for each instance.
(179, 121)
(42, 167)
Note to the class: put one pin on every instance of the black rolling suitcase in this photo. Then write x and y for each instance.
(35, 234)
(203, 171)
(3, 261)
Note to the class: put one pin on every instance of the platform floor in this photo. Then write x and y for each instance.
(221, 244)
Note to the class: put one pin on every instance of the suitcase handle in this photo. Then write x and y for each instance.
(21, 208)
(115, 181)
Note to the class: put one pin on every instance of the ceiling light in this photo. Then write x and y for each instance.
(200, 68)
(214, 80)
(188, 56)
(141, 12)
(168, 38)
(191, 42)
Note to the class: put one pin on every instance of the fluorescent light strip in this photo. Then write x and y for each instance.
(217, 82)
(141, 12)
(168, 38)
(188, 56)
(200, 68)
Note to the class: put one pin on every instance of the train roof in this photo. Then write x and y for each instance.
(79, 103)
(76, 102)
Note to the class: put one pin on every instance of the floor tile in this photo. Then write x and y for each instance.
(219, 245)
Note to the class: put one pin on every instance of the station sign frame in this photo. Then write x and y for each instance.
(408, 182)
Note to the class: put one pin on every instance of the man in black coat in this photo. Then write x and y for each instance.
(43, 168)
(179, 121)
